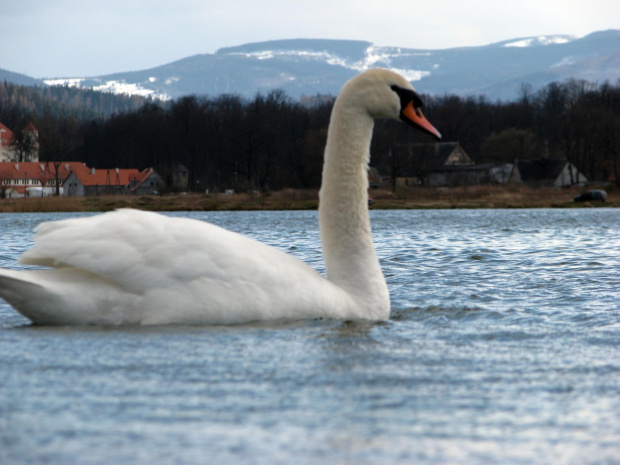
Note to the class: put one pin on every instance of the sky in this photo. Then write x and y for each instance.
(81, 38)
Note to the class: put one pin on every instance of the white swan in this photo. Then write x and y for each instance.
(134, 267)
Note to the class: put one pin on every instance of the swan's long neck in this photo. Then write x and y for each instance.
(348, 250)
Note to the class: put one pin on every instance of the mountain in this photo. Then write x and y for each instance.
(20, 79)
(312, 66)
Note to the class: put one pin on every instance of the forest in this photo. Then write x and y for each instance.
(272, 142)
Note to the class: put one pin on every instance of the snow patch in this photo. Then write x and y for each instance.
(382, 56)
(412, 74)
(520, 43)
(72, 82)
(540, 40)
(114, 87)
(374, 56)
(567, 61)
(270, 54)
(121, 87)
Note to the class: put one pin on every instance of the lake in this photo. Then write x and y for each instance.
(503, 347)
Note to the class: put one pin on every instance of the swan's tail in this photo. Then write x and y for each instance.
(20, 290)
(68, 296)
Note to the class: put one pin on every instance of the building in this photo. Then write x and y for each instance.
(151, 183)
(30, 179)
(93, 182)
(180, 179)
(21, 147)
(374, 178)
(554, 172)
(470, 175)
(34, 178)
(413, 164)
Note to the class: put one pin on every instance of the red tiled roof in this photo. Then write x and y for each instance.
(6, 135)
(42, 171)
(30, 127)
(144, 176)
(115, 177)
(46, 171)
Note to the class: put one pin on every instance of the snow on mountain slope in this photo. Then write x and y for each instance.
(114, 87)
(540, 40)
(374, 56)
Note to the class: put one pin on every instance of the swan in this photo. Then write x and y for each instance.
(130, 267)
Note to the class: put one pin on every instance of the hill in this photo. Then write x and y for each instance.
(17, 78)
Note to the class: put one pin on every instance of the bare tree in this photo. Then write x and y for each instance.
(25, 145)
(58, 138)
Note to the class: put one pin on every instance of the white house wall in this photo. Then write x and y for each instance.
(564, 179)
(73, 187)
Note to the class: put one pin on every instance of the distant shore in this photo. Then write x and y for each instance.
(290, 199)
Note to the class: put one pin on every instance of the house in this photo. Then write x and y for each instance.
(470, 175)
(93, 182)
(29, 179)
(33, 178)
(23, 147)
(180, 179)
(151, 183)
(555, 172)
(412, 164)
(374, 178)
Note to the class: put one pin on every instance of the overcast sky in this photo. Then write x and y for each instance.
(78, 38)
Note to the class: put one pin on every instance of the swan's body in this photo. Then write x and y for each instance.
(133, 267)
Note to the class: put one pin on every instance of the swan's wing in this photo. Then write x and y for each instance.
(141, 250)
(207, 271)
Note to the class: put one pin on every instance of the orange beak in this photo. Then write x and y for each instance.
(415, 117)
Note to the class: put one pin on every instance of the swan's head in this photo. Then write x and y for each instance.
(385, 94)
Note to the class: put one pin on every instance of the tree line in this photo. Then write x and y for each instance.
(274, 142)
(35, 102)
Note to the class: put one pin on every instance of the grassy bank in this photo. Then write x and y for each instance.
(420, 198)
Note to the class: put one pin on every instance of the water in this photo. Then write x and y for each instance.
(503, 347)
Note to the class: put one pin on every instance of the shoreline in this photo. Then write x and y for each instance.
(472, 197)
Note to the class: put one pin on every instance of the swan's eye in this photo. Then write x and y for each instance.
(406, 96)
